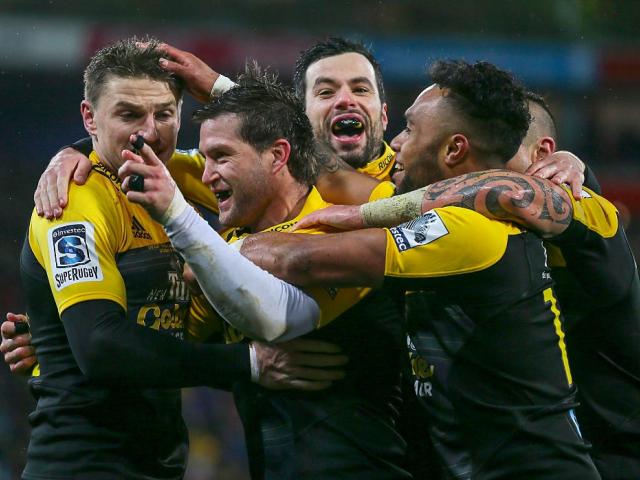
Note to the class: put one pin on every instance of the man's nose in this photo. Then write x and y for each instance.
(210, 173)
(345, 98)
(149, 129)
(396, 143)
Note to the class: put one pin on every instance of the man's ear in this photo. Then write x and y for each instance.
(455, 150)
(544, 146)
(384, 117)
(281, 150)
(88, 118)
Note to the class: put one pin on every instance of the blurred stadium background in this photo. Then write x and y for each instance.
(583, 55)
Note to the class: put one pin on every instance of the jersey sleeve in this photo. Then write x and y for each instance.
(443, 242)
(78, 251)
(596, 250)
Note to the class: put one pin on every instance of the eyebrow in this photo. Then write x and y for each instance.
(133, 106)
(332, 81)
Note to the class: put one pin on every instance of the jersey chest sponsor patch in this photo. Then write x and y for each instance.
(73, 254)
(421, 231)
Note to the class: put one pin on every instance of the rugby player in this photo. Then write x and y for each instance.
(106, 299)
(597, 286)
(259, 150)
(487, 342)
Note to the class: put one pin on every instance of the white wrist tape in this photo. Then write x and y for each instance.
(221, 85)
(247, 297)
(392, 211)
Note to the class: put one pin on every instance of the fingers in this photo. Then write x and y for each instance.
(52, 210)
(23, 367)
(11, 342)
(306, 222)
(80, 176)
(42, 198)
(8, 330)
(19, 354)
(17, 317)
(172, 51)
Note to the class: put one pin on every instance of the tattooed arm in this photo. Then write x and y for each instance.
(537, 204)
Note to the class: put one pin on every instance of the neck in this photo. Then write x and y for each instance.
(104, 159)
(286, 205)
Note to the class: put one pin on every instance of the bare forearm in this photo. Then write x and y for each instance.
(351, 259)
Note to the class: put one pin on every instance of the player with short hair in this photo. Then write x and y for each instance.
(483, 286)
(107, 302)
(260, 163)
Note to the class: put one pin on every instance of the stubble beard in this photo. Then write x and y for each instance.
(360, 157)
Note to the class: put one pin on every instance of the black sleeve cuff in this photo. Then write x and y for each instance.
(84, 146)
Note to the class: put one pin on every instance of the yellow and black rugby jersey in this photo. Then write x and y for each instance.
(332, 301)
(352, 424)
(102, 248)
(382, 190)
(487, 343)
(598, 287)
(186, 168)
(381, 167)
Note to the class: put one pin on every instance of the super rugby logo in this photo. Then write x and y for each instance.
(72, 252)
(421, 231)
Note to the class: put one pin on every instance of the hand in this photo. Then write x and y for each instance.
(50, 196)
(560, 167)
(299, 364)
(18, 352)
(197, 75)
(343, 217)
(159, 187)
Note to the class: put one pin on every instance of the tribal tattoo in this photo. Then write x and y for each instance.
(535, 203)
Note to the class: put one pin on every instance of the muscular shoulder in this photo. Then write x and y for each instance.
(446, 241)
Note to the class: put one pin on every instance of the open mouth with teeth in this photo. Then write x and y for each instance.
(222, 195)
(348, 128)
(397, 173)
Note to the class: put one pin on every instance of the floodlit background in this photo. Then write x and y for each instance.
(583, 55)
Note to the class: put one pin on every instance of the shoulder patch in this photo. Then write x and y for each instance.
(73, 254)
(421, 231)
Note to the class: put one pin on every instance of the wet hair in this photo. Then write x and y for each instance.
(544, 124)
(128, 58)
(330, 48)
(491, 103)
(268, 111)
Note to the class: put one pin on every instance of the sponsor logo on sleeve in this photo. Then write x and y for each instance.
(421, 231)
(585, 194)
(73, 254)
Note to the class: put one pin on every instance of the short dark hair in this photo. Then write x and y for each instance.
(128, 58)
(268, 111)
(547, 124)
(330, 48)
(491, 102)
